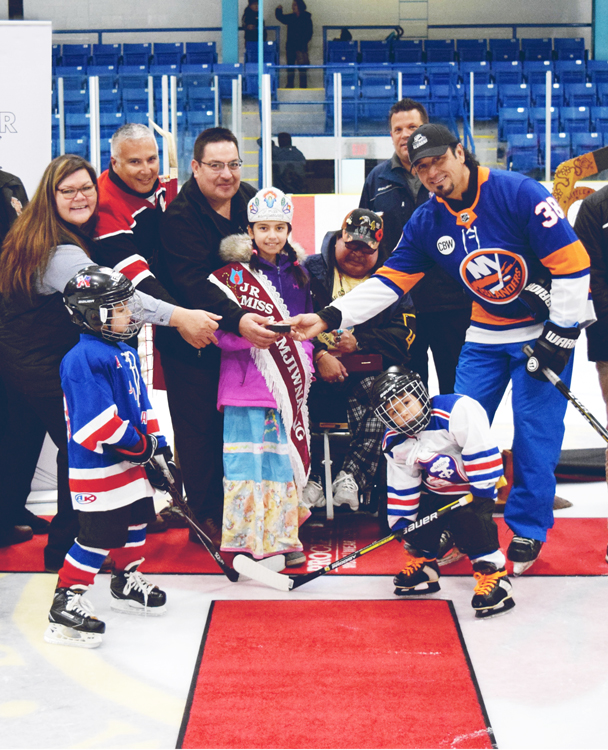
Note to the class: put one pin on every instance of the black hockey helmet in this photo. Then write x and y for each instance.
(400, 400)
(92, 297)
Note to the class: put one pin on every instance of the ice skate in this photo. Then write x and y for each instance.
(345, 491)
(420, 576)
(493, 590)
(132, 594)
(448, 552)
(523, 553)
(71, 620)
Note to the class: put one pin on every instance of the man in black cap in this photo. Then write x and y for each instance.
(348, 257)
(443, 310)
(506, 240)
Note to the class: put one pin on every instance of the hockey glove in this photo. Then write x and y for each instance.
(155, 475)
(142, 452)
(537, 298)
(552, 349)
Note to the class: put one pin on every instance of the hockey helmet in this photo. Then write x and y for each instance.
(401, 401)
(96, 297)
(270, 204)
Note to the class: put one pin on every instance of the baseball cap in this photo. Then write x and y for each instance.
(430, 140)
(361, 225)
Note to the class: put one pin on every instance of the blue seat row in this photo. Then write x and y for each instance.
(165, 53)
(526, 152)
(518, 120)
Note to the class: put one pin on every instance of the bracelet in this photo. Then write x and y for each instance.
(323, 351)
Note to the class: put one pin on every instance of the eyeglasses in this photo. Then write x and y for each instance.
(71, 193)
(218, 166)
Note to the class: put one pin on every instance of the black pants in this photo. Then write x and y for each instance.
(198, 430)
(297, 57)
(443, 333)
(16, 467)
(472, 526)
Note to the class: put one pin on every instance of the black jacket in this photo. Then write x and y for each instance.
(299, 29)
(387, 192)
(12, 199)
(190, 233)
(390, 333)
(591, 226)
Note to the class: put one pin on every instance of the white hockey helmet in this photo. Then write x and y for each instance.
(270, 204)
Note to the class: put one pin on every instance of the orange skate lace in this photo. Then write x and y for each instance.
(487, 581)
(415, 563)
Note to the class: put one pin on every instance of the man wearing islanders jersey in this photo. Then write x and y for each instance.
(437, 451)
(506, 240)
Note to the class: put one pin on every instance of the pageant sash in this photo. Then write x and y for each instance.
(284, 365)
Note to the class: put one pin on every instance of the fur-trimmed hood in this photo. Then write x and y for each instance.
(236, 248)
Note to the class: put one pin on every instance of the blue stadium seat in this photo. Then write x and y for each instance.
(250, 83)
(538, 95)
(136, 54)
(168, 53)
(536, 49)
(77, 125)
(570, 71)
(522, 152)
(507, 72)
(135, 100)
(561, 149)
(164, 70)
(137, 116)
(537, 119)
(55, 54)
(512, 120)
(270, 52)
(575, 119)
(375, 52)
(73, 78)
(74, 55)
(602, 94)
(226, 72)
(200, 53)
(200, 120)
(440, 50)
(107, 75)
(420, 94)
(198, 74)
(350, 79)
(110, 100)
(504, 50)
(158, 99)
(580, 94)
(597, 70)
(342, 52)
(442, 73)
(132, 76)
(412, 74)
(485, 101)
(376, 84)
(77, 146)
(514, 95)
(472, 50)
(569, 48)
(481, 70)
(106, 54)
(109, 122)
(582, 143)
(535, 71)
(408, 51)
(599, 119)
(75, 101)
(445, 101)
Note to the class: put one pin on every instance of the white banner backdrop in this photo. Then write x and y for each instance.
(25, 99)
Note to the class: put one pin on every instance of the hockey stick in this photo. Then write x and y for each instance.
(565, 391)
(286, 583)
(160, 463)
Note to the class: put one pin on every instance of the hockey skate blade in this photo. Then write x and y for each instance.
(454, 555)
(258, 572)
(521, 567)
(129, 607)
(61, 635)
(486, 614)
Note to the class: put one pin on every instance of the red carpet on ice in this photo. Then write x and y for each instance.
(369, 674)
(576, 546)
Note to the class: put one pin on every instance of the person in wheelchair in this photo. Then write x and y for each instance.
(347, 361)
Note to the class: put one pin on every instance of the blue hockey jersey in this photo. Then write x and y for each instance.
(456, 454)
(106, 402)
(512, 230)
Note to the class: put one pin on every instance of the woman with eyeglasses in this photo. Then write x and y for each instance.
(46, 246)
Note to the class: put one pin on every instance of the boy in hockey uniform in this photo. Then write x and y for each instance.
(112, 435)
(438, 450)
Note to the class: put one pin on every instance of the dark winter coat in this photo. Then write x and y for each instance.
(591, 226)
(13, 198)
(390, 333)
(299, 29)
(191, 232)
(386, 191)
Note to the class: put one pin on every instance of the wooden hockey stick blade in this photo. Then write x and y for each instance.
(258, 572)
(567, 393)
(177, 498)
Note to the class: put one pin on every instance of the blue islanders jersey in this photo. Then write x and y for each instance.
(106, 402)
(456, 454)
(494, 248)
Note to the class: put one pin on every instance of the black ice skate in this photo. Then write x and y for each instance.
(448, 552)
(71, 619)
(523, 553)
(493, 591)
(420, 576)
(132, 594)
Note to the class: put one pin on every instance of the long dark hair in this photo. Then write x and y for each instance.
(35, 235)
(298, 271)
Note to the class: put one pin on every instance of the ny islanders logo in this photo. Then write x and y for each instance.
(496, 276)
